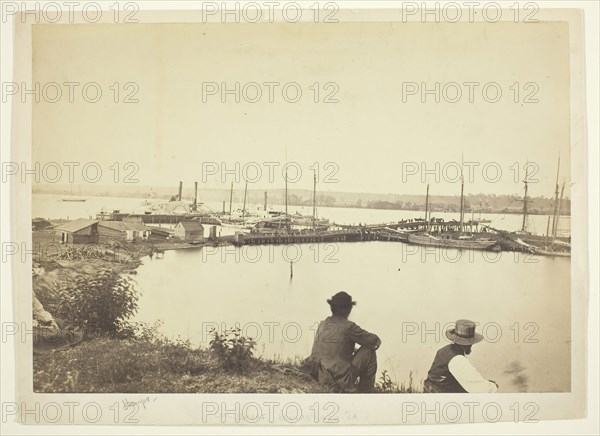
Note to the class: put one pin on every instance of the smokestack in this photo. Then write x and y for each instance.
(265, 201)
(195, 206)
(180, 189)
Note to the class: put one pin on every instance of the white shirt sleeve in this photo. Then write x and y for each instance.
(39, 314)
(468, 377)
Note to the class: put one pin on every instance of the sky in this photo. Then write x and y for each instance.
(377, 133)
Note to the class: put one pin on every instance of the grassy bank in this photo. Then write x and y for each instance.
(147, 366)
(144, 366)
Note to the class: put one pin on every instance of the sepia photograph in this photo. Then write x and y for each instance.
(354, 210)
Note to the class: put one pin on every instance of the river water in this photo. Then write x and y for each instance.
(407, 295)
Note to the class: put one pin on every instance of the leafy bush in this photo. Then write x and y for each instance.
(385, 385)
(232, 350)
(40, 224)
(101, 302)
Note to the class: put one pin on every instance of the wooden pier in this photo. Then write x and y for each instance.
(301, 237)
(346, 235)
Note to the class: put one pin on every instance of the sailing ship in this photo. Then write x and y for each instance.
(245, 218)
(553, 245)
(550, 244)
(72, 198)
(449, 239)
(286, 222)
(300, 220)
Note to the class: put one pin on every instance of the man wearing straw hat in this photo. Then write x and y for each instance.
(333, 361)
(451, 371)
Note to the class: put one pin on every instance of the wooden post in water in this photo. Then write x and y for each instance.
(291, 269)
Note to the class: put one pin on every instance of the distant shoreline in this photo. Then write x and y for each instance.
(418, 208)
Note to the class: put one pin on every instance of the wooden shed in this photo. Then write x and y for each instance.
(189, 231)
(122, 231)
(80, 231)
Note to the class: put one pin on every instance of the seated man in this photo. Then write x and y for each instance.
(50, 334)
(451, 371)
(333, 361)
(42, 318)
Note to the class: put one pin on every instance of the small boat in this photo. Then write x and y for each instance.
(545, 252)
(458, 240)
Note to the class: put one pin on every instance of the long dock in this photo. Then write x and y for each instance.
(300, 237)
(347, 235)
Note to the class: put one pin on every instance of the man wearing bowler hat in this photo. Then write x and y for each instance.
(451, 371)
(333, 361)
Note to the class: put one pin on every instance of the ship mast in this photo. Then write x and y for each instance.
(562, 191)
(525, 200)
(244, 208)
(427, 208)
(286, 192)
(314, 214)
(462, 198)
(286, 185)
(555, 214)
(230, 199)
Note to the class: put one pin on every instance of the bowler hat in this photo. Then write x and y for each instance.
(341, 299)
(463, 333)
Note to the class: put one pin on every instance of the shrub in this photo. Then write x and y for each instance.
(232, 350)
(385, 385)
(101, 302)
(40, 224)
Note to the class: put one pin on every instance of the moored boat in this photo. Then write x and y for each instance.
(77, 200)
(462, 242)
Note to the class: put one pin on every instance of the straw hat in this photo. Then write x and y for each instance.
(463, 333)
